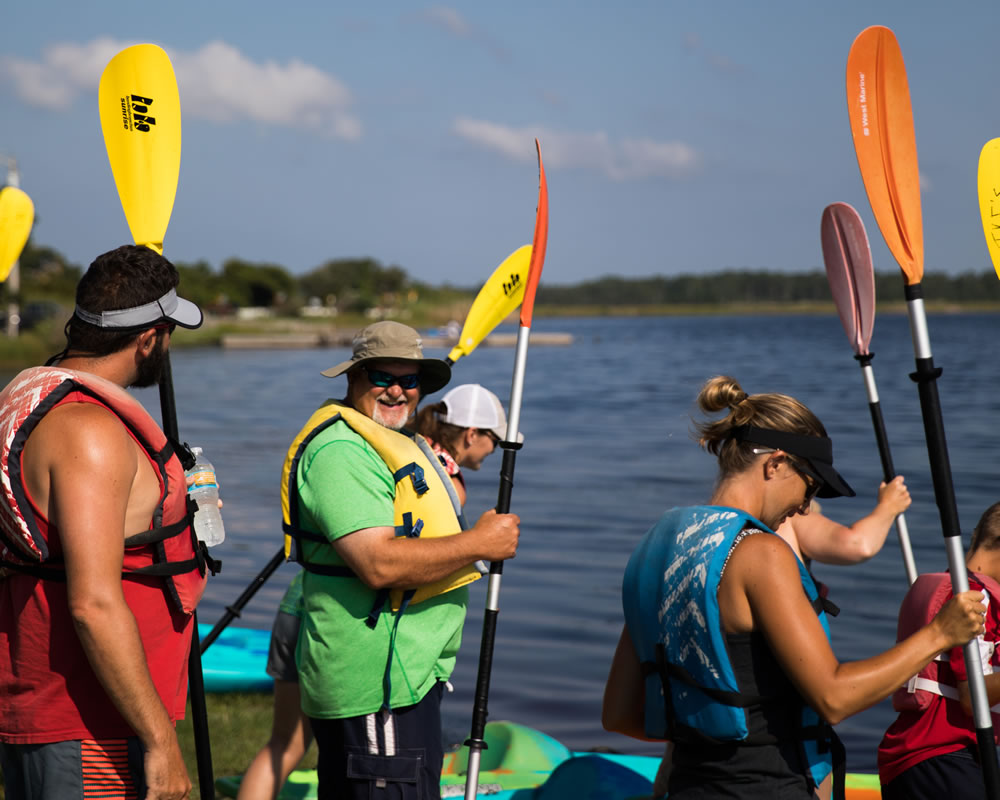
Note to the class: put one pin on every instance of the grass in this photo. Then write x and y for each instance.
(238, 726)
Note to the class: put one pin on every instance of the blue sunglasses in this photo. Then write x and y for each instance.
(383, 379)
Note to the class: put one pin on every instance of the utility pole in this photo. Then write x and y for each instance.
(14, 279)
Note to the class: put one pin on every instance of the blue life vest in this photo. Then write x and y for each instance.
(670, 599)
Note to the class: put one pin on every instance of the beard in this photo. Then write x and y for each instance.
(151, 368)
(392, 417)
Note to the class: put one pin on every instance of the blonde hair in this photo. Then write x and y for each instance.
(428, 423)
(777, 412)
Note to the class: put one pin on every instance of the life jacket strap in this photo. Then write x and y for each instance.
(409, 528)
(415, 473)
(735, 699)
(387, 674)
(158, 534)
(826, 605)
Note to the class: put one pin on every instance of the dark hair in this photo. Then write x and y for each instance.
(777, 412)
(429, 424)
(126, 277)
(986, 534)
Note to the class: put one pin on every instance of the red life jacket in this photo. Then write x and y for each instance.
(168, 549)
(925, 598)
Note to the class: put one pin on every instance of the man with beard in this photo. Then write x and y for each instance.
(101, 570)
(376, 523)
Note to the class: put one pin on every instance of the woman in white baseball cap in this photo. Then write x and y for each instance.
(463, 428)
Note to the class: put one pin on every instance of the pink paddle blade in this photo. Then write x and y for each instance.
(848, 259)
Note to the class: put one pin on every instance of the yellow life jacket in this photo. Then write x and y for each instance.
(425, 501)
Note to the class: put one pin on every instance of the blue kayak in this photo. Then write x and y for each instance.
(236, 661)
(522, 763)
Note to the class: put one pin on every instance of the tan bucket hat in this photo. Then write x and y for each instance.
(393, 340)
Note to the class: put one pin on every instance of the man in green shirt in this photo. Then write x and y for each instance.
(372, 676)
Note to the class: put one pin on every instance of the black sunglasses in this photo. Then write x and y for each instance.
(383, 379)
(812, 481)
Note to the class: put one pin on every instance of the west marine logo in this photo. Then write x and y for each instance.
(512, 284)
(135, 113)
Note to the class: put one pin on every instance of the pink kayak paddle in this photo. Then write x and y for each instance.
(848, 260)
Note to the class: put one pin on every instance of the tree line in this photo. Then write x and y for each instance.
(359, 284)
(738, 287)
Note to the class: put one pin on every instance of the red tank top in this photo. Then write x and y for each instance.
(51, 694)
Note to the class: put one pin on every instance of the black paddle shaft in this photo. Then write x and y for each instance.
(878, 423)
(196, 679)
(233, 611)
(481, 698)
(925, 377)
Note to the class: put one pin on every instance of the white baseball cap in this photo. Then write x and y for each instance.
(473, 406)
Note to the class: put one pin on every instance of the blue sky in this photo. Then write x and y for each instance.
(678, 137)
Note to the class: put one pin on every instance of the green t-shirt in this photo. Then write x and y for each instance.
(344, 486)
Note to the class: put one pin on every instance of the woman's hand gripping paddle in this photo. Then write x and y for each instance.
(510, 447)
(989, 198)
(17, 215)
(500, 296)
(140, 113)
(848, 261)
(878, 102)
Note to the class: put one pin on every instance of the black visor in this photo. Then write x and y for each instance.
(817, 451)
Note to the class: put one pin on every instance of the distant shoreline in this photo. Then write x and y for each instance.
(33, 347)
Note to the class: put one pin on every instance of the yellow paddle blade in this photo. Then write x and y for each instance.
(989, 198)
(17, 215)
(878, 103)
(141, 120)
(501, 295)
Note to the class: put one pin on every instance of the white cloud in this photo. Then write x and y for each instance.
(627, 159)
(216, 82)
(449, 19)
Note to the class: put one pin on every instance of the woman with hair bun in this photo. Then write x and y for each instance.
(725, 650)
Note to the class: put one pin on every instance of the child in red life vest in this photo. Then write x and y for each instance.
(930, 750)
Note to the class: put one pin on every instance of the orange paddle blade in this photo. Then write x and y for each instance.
(537, 244)
(878, 103)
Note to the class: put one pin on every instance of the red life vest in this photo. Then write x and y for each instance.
(925, 598)
(168, 549)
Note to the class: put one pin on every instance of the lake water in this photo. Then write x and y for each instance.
(607, 450)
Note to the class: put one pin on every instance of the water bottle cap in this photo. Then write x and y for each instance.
(196, 450)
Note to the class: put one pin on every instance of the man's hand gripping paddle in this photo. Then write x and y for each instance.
(499, 297)
(848, 259)
(878, 103)
(17, 215)
(140, 113)
(510, 447)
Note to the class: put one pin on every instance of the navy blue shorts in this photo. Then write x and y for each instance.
(393, 755)
(955, 776)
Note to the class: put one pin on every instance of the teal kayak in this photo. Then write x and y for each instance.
(237, 660)
(521, 763)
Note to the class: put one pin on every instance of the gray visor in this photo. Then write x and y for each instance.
(169, 308)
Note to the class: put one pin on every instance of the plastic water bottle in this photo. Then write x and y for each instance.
(205, 490)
